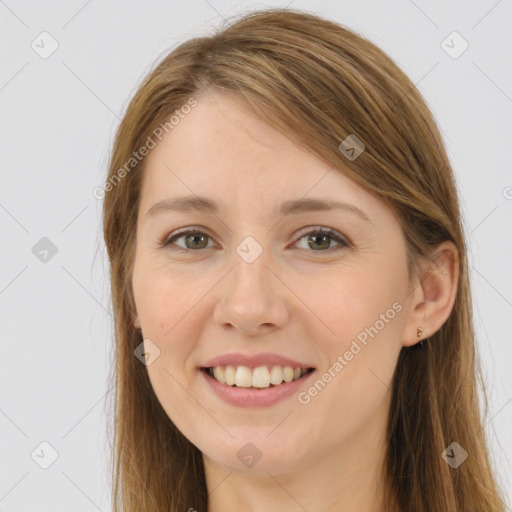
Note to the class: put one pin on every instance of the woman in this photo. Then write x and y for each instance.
(290, 284)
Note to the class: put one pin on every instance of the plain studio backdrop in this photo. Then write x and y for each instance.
(67, 72)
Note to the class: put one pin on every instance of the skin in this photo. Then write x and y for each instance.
(295, 300)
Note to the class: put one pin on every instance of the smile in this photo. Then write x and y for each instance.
(261, 377)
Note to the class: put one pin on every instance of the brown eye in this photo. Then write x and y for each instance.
(193, 240)
(319, 240)
(196, 241)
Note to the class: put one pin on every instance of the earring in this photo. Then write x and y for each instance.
(419, 332)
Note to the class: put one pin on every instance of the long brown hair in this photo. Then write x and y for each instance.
(318, 82)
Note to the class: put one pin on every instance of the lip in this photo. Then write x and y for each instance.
(253, 361)
(245, 397)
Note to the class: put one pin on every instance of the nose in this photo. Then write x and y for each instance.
(252, 299)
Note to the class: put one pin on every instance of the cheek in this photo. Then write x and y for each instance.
(349, 301)
(162, 300)
(171, 308)
(353, 385)
(165, 305)
(363, 311)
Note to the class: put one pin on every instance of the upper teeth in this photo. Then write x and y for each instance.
(259, 377)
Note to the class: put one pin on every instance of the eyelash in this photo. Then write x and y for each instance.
(343, 241)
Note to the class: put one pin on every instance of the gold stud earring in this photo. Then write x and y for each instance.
(419, 332)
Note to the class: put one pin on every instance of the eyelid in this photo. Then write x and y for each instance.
(322, 229)
(182, 232)
(342, 240)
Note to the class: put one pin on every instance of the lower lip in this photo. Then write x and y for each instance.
(247, 397)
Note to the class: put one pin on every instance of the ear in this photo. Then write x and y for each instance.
(433, 293)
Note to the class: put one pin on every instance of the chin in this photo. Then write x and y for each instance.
(258, 456)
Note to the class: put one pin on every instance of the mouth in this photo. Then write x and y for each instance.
(261, 377)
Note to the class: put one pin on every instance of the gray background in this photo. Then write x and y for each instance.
(58, 117)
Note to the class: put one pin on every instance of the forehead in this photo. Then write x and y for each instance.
(221, 150)
(221, 134)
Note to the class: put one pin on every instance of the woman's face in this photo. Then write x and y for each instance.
(259, 281)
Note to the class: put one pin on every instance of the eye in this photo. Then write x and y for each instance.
(317, 238)
(194, 239)
(320, 238)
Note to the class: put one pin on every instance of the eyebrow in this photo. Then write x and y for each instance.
(295, 206)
